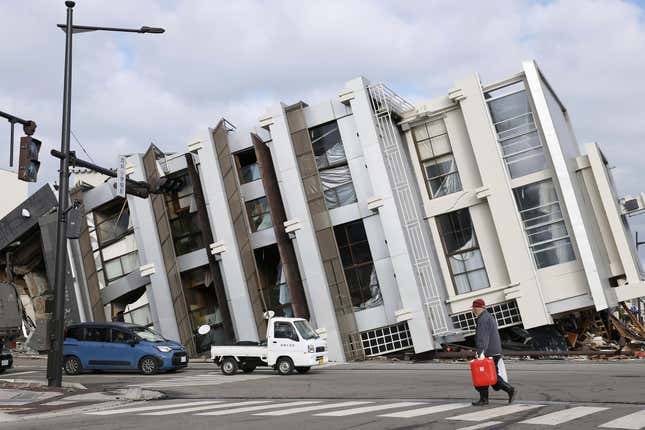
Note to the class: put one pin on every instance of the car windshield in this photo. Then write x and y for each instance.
(148, 334)
(305, 330)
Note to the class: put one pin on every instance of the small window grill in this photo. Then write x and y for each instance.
(507, 314)
(386, 339)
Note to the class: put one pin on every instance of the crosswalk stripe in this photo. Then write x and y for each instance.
(635, 421)
(426, 411)
(560, 417)
(486, 414)
(482, 425)
(259, 408)
(202, 408)
(151, 408)
(366, 409)
(311, 408)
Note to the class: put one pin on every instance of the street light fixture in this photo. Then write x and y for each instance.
(55, 357)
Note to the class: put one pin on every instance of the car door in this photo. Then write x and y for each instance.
(120, 351)
(94, 346)
(285, 340)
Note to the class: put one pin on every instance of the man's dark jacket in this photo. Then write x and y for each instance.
(487, 335)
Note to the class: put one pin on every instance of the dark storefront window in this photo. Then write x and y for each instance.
(201, 300)
(358, 265)
(182, 214)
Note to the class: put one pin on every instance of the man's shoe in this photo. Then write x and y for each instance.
(480, 402)
(511, 395)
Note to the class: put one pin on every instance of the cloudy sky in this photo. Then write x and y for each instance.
(234, 58)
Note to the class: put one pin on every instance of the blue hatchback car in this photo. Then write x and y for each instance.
(120, 346)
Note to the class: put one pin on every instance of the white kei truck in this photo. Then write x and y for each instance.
(292, 344)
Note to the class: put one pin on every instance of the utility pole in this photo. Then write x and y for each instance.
(55, 357)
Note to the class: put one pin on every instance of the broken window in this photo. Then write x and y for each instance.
(462, 251)
(112, 239)
(273, 281)
(516, 129)
(544, 224)
(358, 265)
(247, 166)
(182, 214)
(259, 214)
(435, 154)
(335, 177)
(200, 297)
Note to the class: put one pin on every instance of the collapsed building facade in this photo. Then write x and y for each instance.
(377, 220)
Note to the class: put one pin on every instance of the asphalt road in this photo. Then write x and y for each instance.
(371, 395)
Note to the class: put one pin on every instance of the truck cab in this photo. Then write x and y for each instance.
(292, 344)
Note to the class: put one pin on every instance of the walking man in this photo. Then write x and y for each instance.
(488, 342)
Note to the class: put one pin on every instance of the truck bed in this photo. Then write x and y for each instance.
(239, 351)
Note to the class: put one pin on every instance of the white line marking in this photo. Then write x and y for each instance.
(202, 408)
(151, 408)
(366, 409)
(563, 416)
(426, 411)
(486, 414)
(20, 373)
(258, 408)
(482, 425)
(635, 421)
(311, 408)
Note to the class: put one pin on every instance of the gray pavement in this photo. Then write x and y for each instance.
(370, 395)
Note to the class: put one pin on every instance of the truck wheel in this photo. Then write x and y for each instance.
(284, 366)
(302, 369)
(229, 366)
(72, 365)
(148, 366)
(247, 368)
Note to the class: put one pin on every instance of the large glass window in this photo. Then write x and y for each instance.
(182, 214)
(358, 265)
(516, 129)
(331, 161)
(259, 214)
(544, 223)
(112, 240)
(435, 154)
(462, 251)
(247, 166)
(199, 292)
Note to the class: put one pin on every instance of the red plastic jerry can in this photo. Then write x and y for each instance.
(483, 372)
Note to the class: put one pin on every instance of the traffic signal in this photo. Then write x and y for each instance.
(28, 163)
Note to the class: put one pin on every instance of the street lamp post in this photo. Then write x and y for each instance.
(55, 357)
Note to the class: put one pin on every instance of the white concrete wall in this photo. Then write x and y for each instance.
(14, 191)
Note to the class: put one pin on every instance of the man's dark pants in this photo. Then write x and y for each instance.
(500, 385)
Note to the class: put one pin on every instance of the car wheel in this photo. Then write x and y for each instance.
(302, 369)
(284, 366)
(148, 366)
(72, 365)
(229, 366)
(247, 368)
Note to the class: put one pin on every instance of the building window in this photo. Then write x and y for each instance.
(199, 292)
(462, 250)
(358, 265)
(544, 223)
(273, 281)
(507, 314)
(112, 240)
(182, 214)
(516, 129)
(386, 339)
(435, 154)
(259, 214)
(248, 169)
(331, 161)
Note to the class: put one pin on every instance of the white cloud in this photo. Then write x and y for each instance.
(234, 58)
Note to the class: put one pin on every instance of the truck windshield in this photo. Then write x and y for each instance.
(148, 334)
(305, 330)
